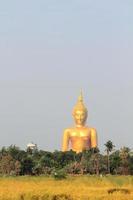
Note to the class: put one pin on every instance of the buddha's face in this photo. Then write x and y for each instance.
(80, 117)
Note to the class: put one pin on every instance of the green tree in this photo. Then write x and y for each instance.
(131, 163)
(115, 162)
(27, 166)
(13, 151)
(61, 159)
(109, 147)
(125, 155)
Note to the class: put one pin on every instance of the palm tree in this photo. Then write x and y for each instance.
(109, 147)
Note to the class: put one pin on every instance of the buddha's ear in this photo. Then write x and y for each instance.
(86, 116)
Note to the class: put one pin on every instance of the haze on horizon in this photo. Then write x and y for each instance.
(49, 50)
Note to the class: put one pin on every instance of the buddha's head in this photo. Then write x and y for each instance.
(80, 112)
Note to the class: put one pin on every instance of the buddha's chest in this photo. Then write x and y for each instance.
(80, 133)
(80, 139)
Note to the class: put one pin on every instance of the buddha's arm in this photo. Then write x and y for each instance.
(65, 140)
(93, 138)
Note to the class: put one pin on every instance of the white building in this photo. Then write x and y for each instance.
(31, 146)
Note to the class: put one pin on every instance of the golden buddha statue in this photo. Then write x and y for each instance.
(80, 137)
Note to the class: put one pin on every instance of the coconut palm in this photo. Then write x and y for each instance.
(109, 147)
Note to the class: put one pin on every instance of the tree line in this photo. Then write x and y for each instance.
(14, 161)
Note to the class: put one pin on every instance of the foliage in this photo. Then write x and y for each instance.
(109, 147)
(115, 162)
(125, 158)
(59, 174)
(14, 161)
(6, 164)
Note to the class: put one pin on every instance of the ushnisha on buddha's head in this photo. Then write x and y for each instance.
(80, 112)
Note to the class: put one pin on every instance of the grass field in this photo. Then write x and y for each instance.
(72, 188)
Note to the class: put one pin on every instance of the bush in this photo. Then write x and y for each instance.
(59, 174)
(62, 197)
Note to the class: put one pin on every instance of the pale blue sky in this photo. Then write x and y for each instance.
(49, 49)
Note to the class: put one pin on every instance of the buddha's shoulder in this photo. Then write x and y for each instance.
(71, 129)
(68, 130)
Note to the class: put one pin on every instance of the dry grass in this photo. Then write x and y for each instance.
(73, 188)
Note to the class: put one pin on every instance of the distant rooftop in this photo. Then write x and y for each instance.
(31, 145)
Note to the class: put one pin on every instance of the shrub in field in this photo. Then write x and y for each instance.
(59, 174)
(61, 197)
(123, 190)
(52, 197)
